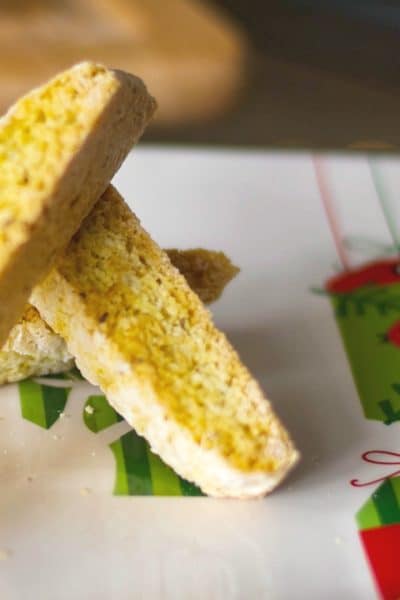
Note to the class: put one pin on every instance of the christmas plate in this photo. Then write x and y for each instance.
(88, 512)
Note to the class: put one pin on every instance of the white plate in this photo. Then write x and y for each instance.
(64, 535)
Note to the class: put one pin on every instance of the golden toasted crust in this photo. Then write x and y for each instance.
(190, 55)
(33, 349)
(59, 147)
(136, 329)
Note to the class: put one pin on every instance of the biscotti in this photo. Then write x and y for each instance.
(136, 329)
(206, 271)
(32, 349)
(59, 147)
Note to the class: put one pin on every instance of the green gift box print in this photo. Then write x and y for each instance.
(379, 528)
(366, 302)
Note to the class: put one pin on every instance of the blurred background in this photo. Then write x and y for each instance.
(266, 73)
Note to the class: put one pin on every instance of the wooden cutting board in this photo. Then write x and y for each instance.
(191, 57)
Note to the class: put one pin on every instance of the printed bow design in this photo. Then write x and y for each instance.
(379, 457)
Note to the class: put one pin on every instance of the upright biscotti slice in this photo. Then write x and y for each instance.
(33, 349)
(59, 147)
(137, 330)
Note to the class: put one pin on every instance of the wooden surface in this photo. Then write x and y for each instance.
(315, 80)
(190, 57)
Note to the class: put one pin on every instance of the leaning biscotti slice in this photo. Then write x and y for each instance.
(32, 349)
(59, 147)
(137, 330)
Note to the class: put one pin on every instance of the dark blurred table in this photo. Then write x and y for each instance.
(316, 80)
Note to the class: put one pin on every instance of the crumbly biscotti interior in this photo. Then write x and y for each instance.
(32, 349)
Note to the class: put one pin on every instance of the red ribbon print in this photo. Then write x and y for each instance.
(379, 457)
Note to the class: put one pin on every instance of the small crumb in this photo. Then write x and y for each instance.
(30, 478)
(85, 491)
(5, 451)
(93, 453)
(338, 540)
(57, 437)
(64, 415)
(89, 409)
(4, 553)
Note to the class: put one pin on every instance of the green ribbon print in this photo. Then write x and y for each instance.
(42, 404)
(139, 472)
(98, 414)
(142, 473)
(383, 507)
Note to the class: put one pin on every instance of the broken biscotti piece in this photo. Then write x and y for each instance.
(206, 271)
(59, 147)
(32, 349)
(137, 330)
